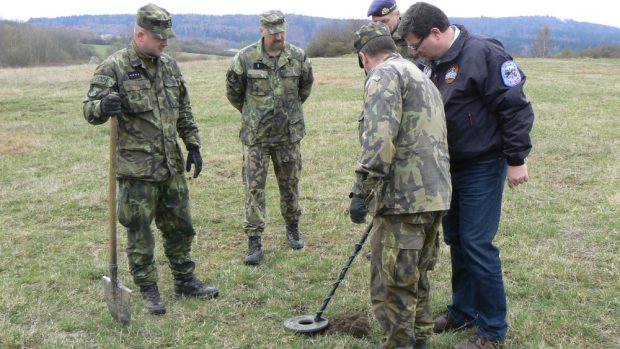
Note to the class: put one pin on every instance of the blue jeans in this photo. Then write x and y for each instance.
(469, 229)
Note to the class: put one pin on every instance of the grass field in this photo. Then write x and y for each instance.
(559, 234)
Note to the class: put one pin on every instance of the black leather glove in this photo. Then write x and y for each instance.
(111, 105)
(358, 209)
(193, 157)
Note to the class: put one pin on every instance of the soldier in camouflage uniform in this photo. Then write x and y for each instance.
(403, 180)
(268, 82)
(144, 89)
(386, 11)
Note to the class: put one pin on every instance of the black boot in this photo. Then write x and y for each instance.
(151, 299)
(292, 234)
(420, 345)
(192, 287)
(255, 254)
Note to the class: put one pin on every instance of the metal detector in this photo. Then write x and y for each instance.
(309, 324)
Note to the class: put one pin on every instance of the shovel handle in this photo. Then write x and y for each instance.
(112, 198)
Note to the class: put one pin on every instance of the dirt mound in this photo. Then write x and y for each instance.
(352, 323)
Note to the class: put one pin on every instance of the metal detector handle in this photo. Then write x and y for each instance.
(112, 199)
(343, 272)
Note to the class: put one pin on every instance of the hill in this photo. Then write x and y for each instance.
(235, 31)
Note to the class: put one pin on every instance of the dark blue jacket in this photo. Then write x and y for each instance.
(487, 113)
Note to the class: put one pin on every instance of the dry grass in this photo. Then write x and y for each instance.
(559, 235)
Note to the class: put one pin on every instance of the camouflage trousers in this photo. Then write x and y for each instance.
(139, 202)
(286, 160)
(403, 249)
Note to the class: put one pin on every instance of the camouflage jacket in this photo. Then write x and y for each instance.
(401, 44)
(155, 110)
(404, 166)
(269, 94)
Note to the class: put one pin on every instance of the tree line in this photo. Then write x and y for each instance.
(27, 45)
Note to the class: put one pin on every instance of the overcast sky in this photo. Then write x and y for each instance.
(593, 11)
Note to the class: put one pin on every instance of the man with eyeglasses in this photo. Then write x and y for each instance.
(143, 88)
(489, 120)
(268, 82)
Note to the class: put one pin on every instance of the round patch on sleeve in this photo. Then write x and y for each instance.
(511, 74)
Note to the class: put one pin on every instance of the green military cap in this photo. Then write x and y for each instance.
(156, 20)
(273, 21)
(369, 32)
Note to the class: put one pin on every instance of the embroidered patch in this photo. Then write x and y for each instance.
(452, 74)
(103, 80)
(511, 74)
(133, 75)
(94, 91)
(259, 65)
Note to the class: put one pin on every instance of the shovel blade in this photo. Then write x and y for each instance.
(118, 298)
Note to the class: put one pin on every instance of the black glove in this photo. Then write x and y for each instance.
(111, 105)
(358, 210)
(193, 157)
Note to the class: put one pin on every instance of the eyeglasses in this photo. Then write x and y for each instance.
(417, 46)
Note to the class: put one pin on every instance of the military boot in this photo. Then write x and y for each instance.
(419, 345)
(255, 254)
(192, 287)
(151, 299)
(292, 234)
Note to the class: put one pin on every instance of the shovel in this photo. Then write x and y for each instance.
(117, 296)
(309, 324)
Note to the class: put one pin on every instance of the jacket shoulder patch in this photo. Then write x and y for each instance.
(103, 80)
(511, 74)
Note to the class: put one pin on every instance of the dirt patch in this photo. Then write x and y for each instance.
(352, 323)
(18, 144)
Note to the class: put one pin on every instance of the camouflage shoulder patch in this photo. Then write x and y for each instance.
(372, 80)
(103, 80)
(94, 91)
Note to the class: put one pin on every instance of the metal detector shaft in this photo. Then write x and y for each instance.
(343, 272)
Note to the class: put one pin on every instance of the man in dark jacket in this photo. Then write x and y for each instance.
(489, 121)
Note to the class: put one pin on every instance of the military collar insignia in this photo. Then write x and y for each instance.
(428, 71)
(511, 74)
(133, 75)
(452, 73)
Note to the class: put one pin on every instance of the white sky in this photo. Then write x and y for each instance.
(593, 11)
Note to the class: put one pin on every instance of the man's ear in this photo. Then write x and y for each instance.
(359, 60)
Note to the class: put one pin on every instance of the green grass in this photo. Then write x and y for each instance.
(559, 234)
(101, 51)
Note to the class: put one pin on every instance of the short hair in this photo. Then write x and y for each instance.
(420, 18)
(376, 46)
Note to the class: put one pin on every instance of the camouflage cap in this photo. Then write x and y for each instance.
(369, 32)
(156, 20)
(273, 21)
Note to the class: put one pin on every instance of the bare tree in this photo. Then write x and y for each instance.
(542, 45)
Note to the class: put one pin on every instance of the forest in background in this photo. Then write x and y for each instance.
(74, 39)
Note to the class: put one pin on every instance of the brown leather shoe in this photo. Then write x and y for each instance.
(443, 323)
(478, 342)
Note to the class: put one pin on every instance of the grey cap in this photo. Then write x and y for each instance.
(273, 21)
(156, 20)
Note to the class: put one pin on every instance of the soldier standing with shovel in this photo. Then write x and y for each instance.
(144, 89)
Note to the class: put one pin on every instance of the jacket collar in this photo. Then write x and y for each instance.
(456, 47)
(283, 59)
